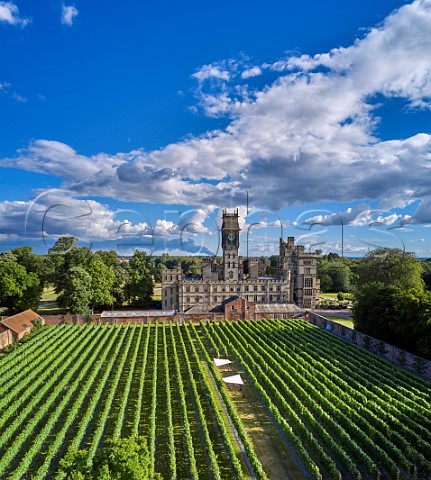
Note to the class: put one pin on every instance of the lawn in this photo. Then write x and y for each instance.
(49, 295)
(347, 322)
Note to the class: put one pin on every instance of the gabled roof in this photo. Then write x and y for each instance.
(232, 299)
(204, 308)
(21, 322)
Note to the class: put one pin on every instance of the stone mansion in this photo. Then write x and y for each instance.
(232, 276)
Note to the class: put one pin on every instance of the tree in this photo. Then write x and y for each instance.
(373, 311)
(395, 315)
(140, 283)
(426, 275)
(32, 262)
(334, 274)
(119, 268)
(19, 290)
(102, 282)
(391, 266)
(65, 255)
(121, 459)
(76, 293)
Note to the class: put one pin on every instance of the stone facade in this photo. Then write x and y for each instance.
(235, 276)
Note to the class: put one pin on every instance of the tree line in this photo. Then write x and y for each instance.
(391, 287)
(84, 281)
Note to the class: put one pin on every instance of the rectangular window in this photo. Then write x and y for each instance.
(275, 316)
(255, 288)
(308, 282)
(308, 292)
(284, 316)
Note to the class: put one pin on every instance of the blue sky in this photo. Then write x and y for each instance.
(132, 125)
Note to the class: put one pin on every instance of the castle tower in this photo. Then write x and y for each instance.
(230, 244)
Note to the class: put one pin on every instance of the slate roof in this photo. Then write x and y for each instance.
(203, 308)
(137, 313)
(277, 308)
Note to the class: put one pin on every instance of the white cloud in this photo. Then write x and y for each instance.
(207, 72)
(68, 14)
(55, 213)
(251, 72)
(358, 216)
(422, 214)
(58, 159)
(9, 13)
(308, 137)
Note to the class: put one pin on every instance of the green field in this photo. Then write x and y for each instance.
(348, 322)
(49, 295)
(313, 405)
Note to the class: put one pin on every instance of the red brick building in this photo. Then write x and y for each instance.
(21, 323)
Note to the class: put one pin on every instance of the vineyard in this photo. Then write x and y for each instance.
(342, 412)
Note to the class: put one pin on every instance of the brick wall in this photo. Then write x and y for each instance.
(5, 339)
(385, 350)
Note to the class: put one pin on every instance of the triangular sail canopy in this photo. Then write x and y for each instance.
(234, 379)
(220, 362)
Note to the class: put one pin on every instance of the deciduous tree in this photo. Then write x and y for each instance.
(140, 282)
(122, 459)
(390, 266)
(19, 290)
(102, 282)
(76, 293)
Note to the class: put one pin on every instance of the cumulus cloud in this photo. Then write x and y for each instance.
(422, 214)
(207, 72)
(68, 14)
(358, 216)
(307, 137)
(57, 212)
(58, 159)
(251, 72)
(9, 13)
